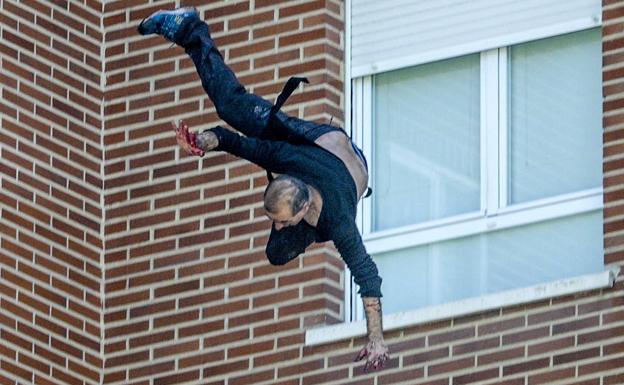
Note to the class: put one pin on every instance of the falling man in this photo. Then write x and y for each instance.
(321, 174)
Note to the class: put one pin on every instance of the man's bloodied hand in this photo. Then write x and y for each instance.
(191, 141)
(376, 354)
(187, 139)
(376, 350)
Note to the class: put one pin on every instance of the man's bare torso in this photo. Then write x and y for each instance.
(339, 144)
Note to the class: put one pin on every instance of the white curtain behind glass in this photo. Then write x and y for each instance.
(492, 262)
(426, 142)
(555, 116)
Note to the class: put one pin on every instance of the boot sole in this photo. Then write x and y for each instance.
(142, 31)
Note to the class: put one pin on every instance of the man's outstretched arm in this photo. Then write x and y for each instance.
(274, 156)
(375, 351)
(349, 243)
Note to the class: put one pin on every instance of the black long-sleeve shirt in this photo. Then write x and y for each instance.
(329, 175)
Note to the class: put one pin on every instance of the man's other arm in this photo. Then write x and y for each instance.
(273, 156)
(349, 243)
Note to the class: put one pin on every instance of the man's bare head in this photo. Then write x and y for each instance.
(286, 200)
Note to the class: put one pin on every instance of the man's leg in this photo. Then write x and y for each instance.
(247, 113)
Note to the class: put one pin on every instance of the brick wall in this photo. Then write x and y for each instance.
(190, 294)
(50, 211)
(175, 244)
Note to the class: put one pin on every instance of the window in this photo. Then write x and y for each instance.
(486, 170)
(426, 143)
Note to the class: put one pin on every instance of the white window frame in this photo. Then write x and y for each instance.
(495, 212)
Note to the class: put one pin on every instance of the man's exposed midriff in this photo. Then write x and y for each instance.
(339, 144)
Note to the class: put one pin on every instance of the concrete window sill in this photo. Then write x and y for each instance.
(328, 334)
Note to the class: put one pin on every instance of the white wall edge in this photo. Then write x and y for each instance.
(468, 306)
(476, 46)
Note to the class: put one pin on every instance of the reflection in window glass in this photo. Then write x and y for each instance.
(555, 116)
(426, 142)
(491, 262)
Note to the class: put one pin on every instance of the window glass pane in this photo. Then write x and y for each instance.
(491, 262)
(426, 142)
(555, 116)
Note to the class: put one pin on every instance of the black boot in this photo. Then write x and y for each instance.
(172, 25)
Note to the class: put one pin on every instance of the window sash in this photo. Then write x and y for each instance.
(495, 212)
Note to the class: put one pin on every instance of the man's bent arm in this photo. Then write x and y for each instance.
(273, 156)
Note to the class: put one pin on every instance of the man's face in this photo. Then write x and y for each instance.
(284, 217)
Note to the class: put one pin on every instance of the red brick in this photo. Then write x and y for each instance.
(229, 367)
(176, 349)
(127, 359)
(273, 298)
(500, 326)
(15, 339)
(177, 229)
(324, 377)
(202, 359)
(526, 366)
(251, 318)
(295, 339)
(525, 335)
(476, 377)
(551, 315)
(66, 347)
(16, 220)
(51, 326)
(551, 376)
(613, 317)
(440, 338)
(28, 195)
(280, 356)
(578, 355)
(600, 305)
(253, 19)
(603, 334)
(251, 288)
(451, 366)
(551, 345)
(475, 346)
(427, 356)
(252, 49)
(306, 7)
(576, 325)
(151, 339)
(252, 378)
(225, 338)
(275, 29)
(152, 248)
(33, 273)
(18, 371)
(177, 288)
(205, 327)
(152, 308)
(605, 365)
(114, 301)
(51, 356)
(249, 349)
(500, 356)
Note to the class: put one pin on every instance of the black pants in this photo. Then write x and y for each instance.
(245, 112)
(251, 115)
